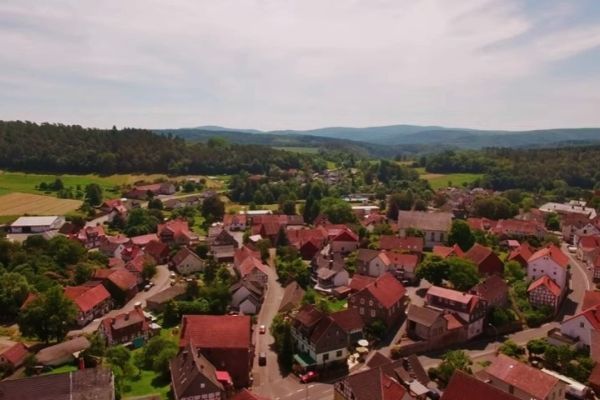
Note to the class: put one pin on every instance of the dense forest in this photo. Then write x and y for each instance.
(28, 146)
(527, 169)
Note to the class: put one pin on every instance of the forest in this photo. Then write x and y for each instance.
(27, 146)
(527, 169)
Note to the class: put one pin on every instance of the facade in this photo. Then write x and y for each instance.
(469, 307)
(246, 297)
(580, 326)
(425, 323)
(186, 262)
(92, 301)
(126, 327)
(545, 292)
(382, 299)
(435, 226)
(253, 269)
(549, 261)
(193, 377)
(36, 224)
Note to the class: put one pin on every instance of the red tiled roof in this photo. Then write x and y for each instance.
(516, 226)
(359, 282)
(143, 240)
(388, 242)
(524, 250)
(120, 277)
(216, 331)
(387, 290)
(408, 261)
(546, 282)
(444, 251)
(462, 383)
(592, 314)
(491, 288)
(15, 354)
(454, 322)
(308, 315)
(481, 224)
(250, 264)
(87, 297)
(230, 219)
(242, 253)
(453, 295)
(156, 249)
(345, 235)
(552, 252)
(349, 320)
(478, 253)
(115, 262)
(182, 254)
(591, 298)
(594, 378)
(528, 379)
(589, 242)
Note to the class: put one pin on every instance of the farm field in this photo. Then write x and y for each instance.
(28, 203)
(25, 183)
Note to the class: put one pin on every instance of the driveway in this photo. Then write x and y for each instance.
(161, 282)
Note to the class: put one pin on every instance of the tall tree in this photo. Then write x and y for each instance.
(93, 194)
(461, 234)
(213, 209)
(49, 316)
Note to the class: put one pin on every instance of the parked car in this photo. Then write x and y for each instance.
(262, 329)
(309, 377)
(572, 249)
(262, 359)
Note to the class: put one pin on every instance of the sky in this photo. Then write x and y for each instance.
(278, 64)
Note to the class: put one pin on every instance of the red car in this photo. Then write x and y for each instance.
(309, 377)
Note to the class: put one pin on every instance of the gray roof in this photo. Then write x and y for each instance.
(427, 221)
(35, 221)
(62, 351)
(423, 315)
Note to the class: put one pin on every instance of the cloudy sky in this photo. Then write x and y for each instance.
(274, 64)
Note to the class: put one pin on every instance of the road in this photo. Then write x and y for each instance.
(581, 280)
(161, 282)
(268, 380)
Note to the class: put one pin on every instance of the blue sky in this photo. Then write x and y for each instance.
(277, 64)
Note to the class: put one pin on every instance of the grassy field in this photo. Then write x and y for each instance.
(148, 383)
(438, 181)
(27, 203)
(302, 150)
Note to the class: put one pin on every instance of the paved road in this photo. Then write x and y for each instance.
(161, 282)
(581, 280)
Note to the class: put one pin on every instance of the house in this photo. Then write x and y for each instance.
(143, 240)
(62, 353)
(549, 261)
(193, 200)
(225, 341)
(92, 301)
(176, 232)
(127, 327)
(322, 339)
(399, 264)
(113, 208)
(292, 297)
(137, 264)
(383, 299)
(253, 269)
(39, 224)
(90, 383)
(425, 323)
(141, 191)
(159, 251)
(246, 297)
(344, 242)
(186, 262)
(13, 355)
(307, 241)
(493, 290)
(91, 236)
(522, 381)
(410, 244)
(486, 261)
(581, 325)
(544, 291)
(194, 377)
(242, 253)
(121, 283)
(589, 229)
(434, 225)
(588, 249)
(235, 222)
(331, 277)
(158, 301)
(372, 384)
(445, 251)
(591, 298)
(462, 383)
(469, 307)
(359, 282)
(521, 254)
(518, 229)
(481, 224)
(572, 223)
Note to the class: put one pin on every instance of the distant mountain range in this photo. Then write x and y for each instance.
(391, 140)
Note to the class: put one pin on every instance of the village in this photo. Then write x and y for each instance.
(290, 310)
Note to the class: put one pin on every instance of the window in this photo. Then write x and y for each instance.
(581, 324)
(362, 301)
(362, 311)
(372, 313)
(371, 303)
(338, 353)
(325, 356)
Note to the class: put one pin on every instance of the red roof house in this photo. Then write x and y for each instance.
(14, 355)
(176, 231)
(402, 244)
(544, 292)
(462, 383)
(383, 299)
(521, 254)
(487, 262)
(225, 340)
(92, 301)
(158, 251)
(445, 251)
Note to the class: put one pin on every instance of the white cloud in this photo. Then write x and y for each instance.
(292, 64)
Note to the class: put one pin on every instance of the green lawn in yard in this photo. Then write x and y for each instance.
(148, 383)
(63, 369)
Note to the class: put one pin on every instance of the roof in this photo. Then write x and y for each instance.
(386, 289)
(193, 375)
(244, 252)
(478, 253)
(425, 316)
(528, 379)
(62, 350)
(35, 221)
(127, 319)
(182, 254)
(426, 221)
(292, 296)
(143, 240)
(374, 384)
(492, 287)
(389, 242)
(552, 252)
(16, 353)
(594, 378)
(366, 255)
(590, 298)
(546, 282)
(166, 295)
(454, 321)
(516, 226)
(591, 314)
(250, 264)
(156, 249)
(445, 251)
(308, 315)
(123, 279)
(524, 251)
(87, 297)
(462, 383)
(216, 331)
(359, 282)
(349, 320)
(450, 294)
(84, 384)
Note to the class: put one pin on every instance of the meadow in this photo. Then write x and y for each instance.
(439, 181)
(35, 204)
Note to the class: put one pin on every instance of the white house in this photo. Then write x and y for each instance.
(38, 224)
(434, 225)
(550, 261)
(581, 325)
(187, 262)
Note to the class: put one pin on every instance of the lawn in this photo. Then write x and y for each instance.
(26, 203)
(63, 369)
(148, 383)
(438, 181)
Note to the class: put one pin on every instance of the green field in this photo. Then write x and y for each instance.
(149, 382)
(303, 150)
(438, 181)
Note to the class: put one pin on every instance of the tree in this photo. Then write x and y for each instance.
(157, 353)
(452, 361)
(14, 289)
(552, 222)
(93, 194)
(399, 201)
(433, 269)
(171, 315)
(65, 251)
(213, 209)
(281, 331)
(282, 238)
(289, 207)
(155, 204)
(511, 349)
(337, 210)
(536, 346)
(462, 273)
(461, 234)
(49, 316)
(149, 270)
(494, 207)
(500, 317)
(83, 272)
(513, 272)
